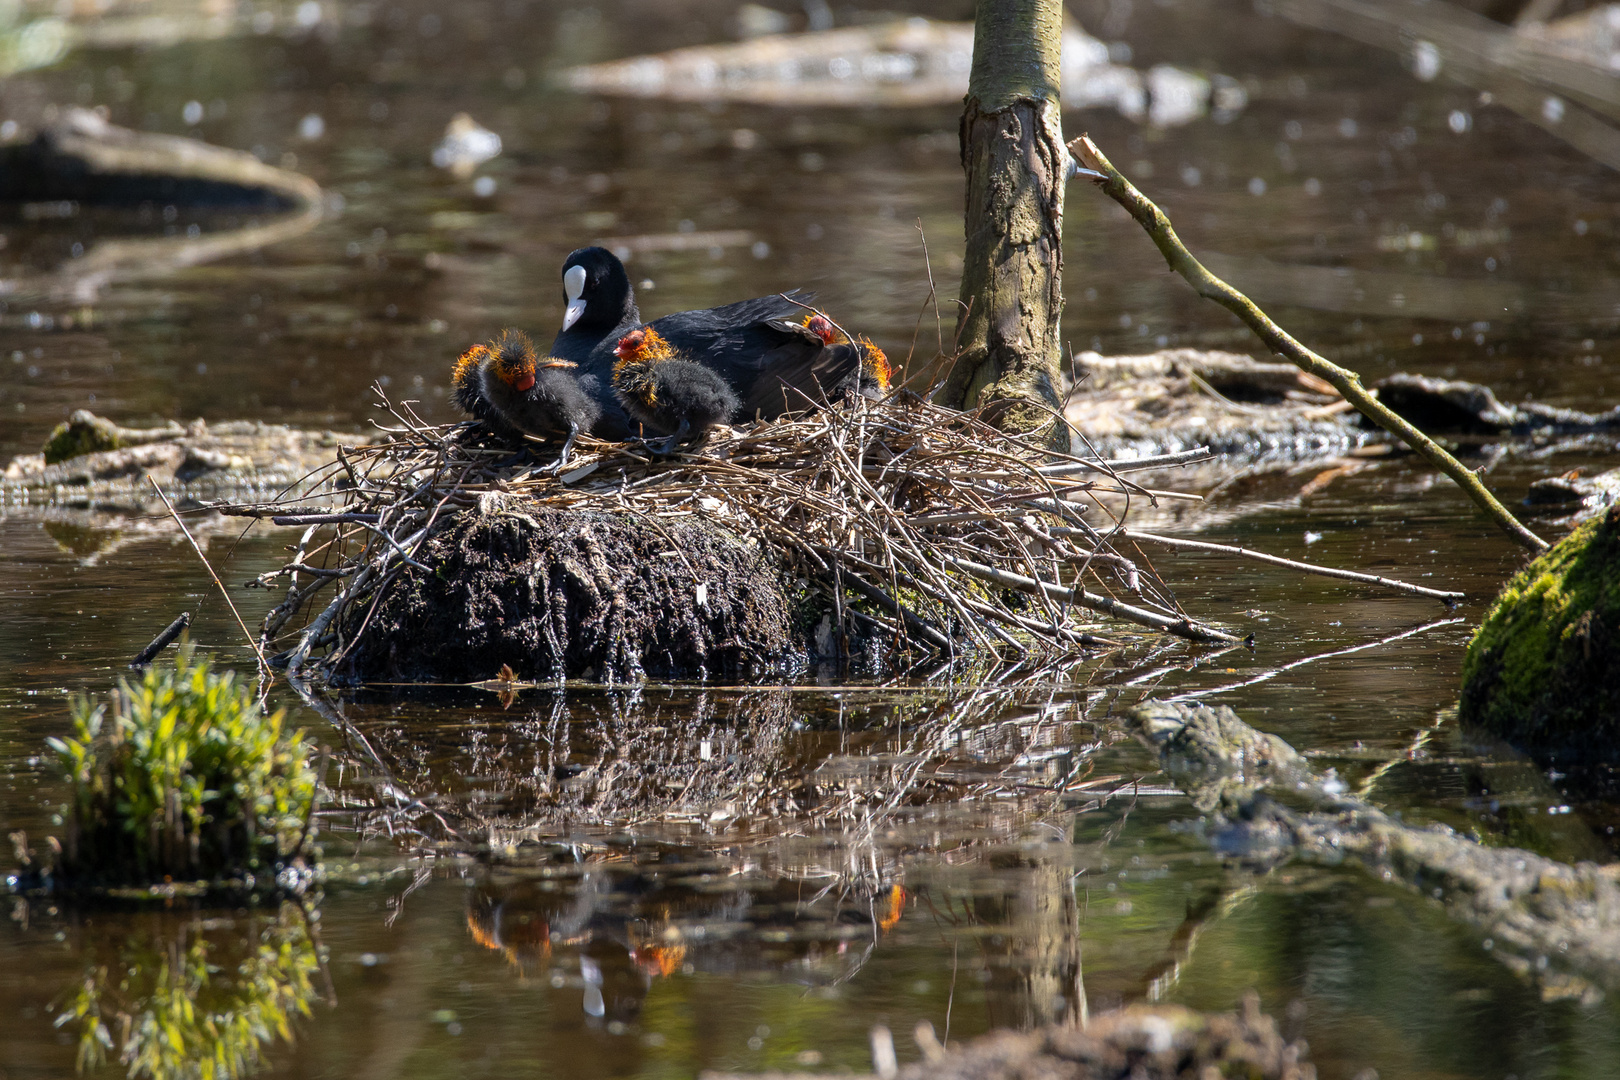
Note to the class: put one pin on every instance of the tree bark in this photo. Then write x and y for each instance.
(1012, 275)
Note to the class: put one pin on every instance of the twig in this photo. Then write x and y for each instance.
(1180, 627)
(161, 642)
(1158, 461)
(1345, 381)
(1272, 673)
(324, 519)
(264, 669)
(1293, 564)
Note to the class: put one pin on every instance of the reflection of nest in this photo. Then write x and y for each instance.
(713, 762)
(916, 529)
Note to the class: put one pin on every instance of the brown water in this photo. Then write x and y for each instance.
(630, 948)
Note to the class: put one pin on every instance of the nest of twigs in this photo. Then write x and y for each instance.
(893, 530)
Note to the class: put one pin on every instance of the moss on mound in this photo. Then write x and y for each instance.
(80, 434)
(1543, 670)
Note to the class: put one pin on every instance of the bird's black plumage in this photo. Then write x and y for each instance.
(772, 365)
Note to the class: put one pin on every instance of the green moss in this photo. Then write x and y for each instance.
(187, 780)
(1543, 670)
(82, 433)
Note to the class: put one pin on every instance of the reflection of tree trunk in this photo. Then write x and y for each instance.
(1041, 936)
(1049, 912)
(1016, 165)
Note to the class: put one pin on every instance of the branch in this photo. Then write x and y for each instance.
(1346, 382)
(1293, 564)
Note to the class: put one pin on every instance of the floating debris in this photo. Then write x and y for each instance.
(912, 61)
(78, 157)
(90, 459)
(466, 145)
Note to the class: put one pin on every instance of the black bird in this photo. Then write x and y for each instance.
(517, 393)
(760, 347)
(661, 388)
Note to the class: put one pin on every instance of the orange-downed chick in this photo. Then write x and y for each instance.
(667, 392)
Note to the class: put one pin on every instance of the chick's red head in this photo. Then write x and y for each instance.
(631, 345)
(822, 327)
(515, 360)
(643, 344)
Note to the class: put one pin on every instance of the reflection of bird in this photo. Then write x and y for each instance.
(659, 387)
(466, 145)
(760, 347)
(511, 925)
(517, 393)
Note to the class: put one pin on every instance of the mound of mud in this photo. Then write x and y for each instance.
(575, 594)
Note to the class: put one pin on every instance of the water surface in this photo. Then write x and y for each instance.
(600, 943)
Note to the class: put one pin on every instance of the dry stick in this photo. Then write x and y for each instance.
(1158, 461)
(1345, 381)
(254, 645)
(1090, 601)
(161, 642)
(1275, 560)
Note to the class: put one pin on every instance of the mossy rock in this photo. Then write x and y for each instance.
(1543, 670)
(82, 433)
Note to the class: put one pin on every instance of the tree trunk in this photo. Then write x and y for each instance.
(1012, 273)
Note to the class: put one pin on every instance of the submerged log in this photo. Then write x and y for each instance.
(575, 594)
(1533, 907)
(90, 459)
(1455, 405)
(78, 157)
(82, 157)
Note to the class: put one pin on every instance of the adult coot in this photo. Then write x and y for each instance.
(762, 348)
(517, 393)
(659, 387)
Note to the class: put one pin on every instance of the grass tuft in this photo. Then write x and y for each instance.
(186, 779)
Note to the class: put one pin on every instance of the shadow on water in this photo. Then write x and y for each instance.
(615, 882)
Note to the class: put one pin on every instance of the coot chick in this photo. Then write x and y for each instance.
(760, 347)
(517, 393)
(662, 389)
(873, 377)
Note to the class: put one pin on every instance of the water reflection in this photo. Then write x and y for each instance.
(611, 927)
(165, 996)
(80, 162)
(1354, 156)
